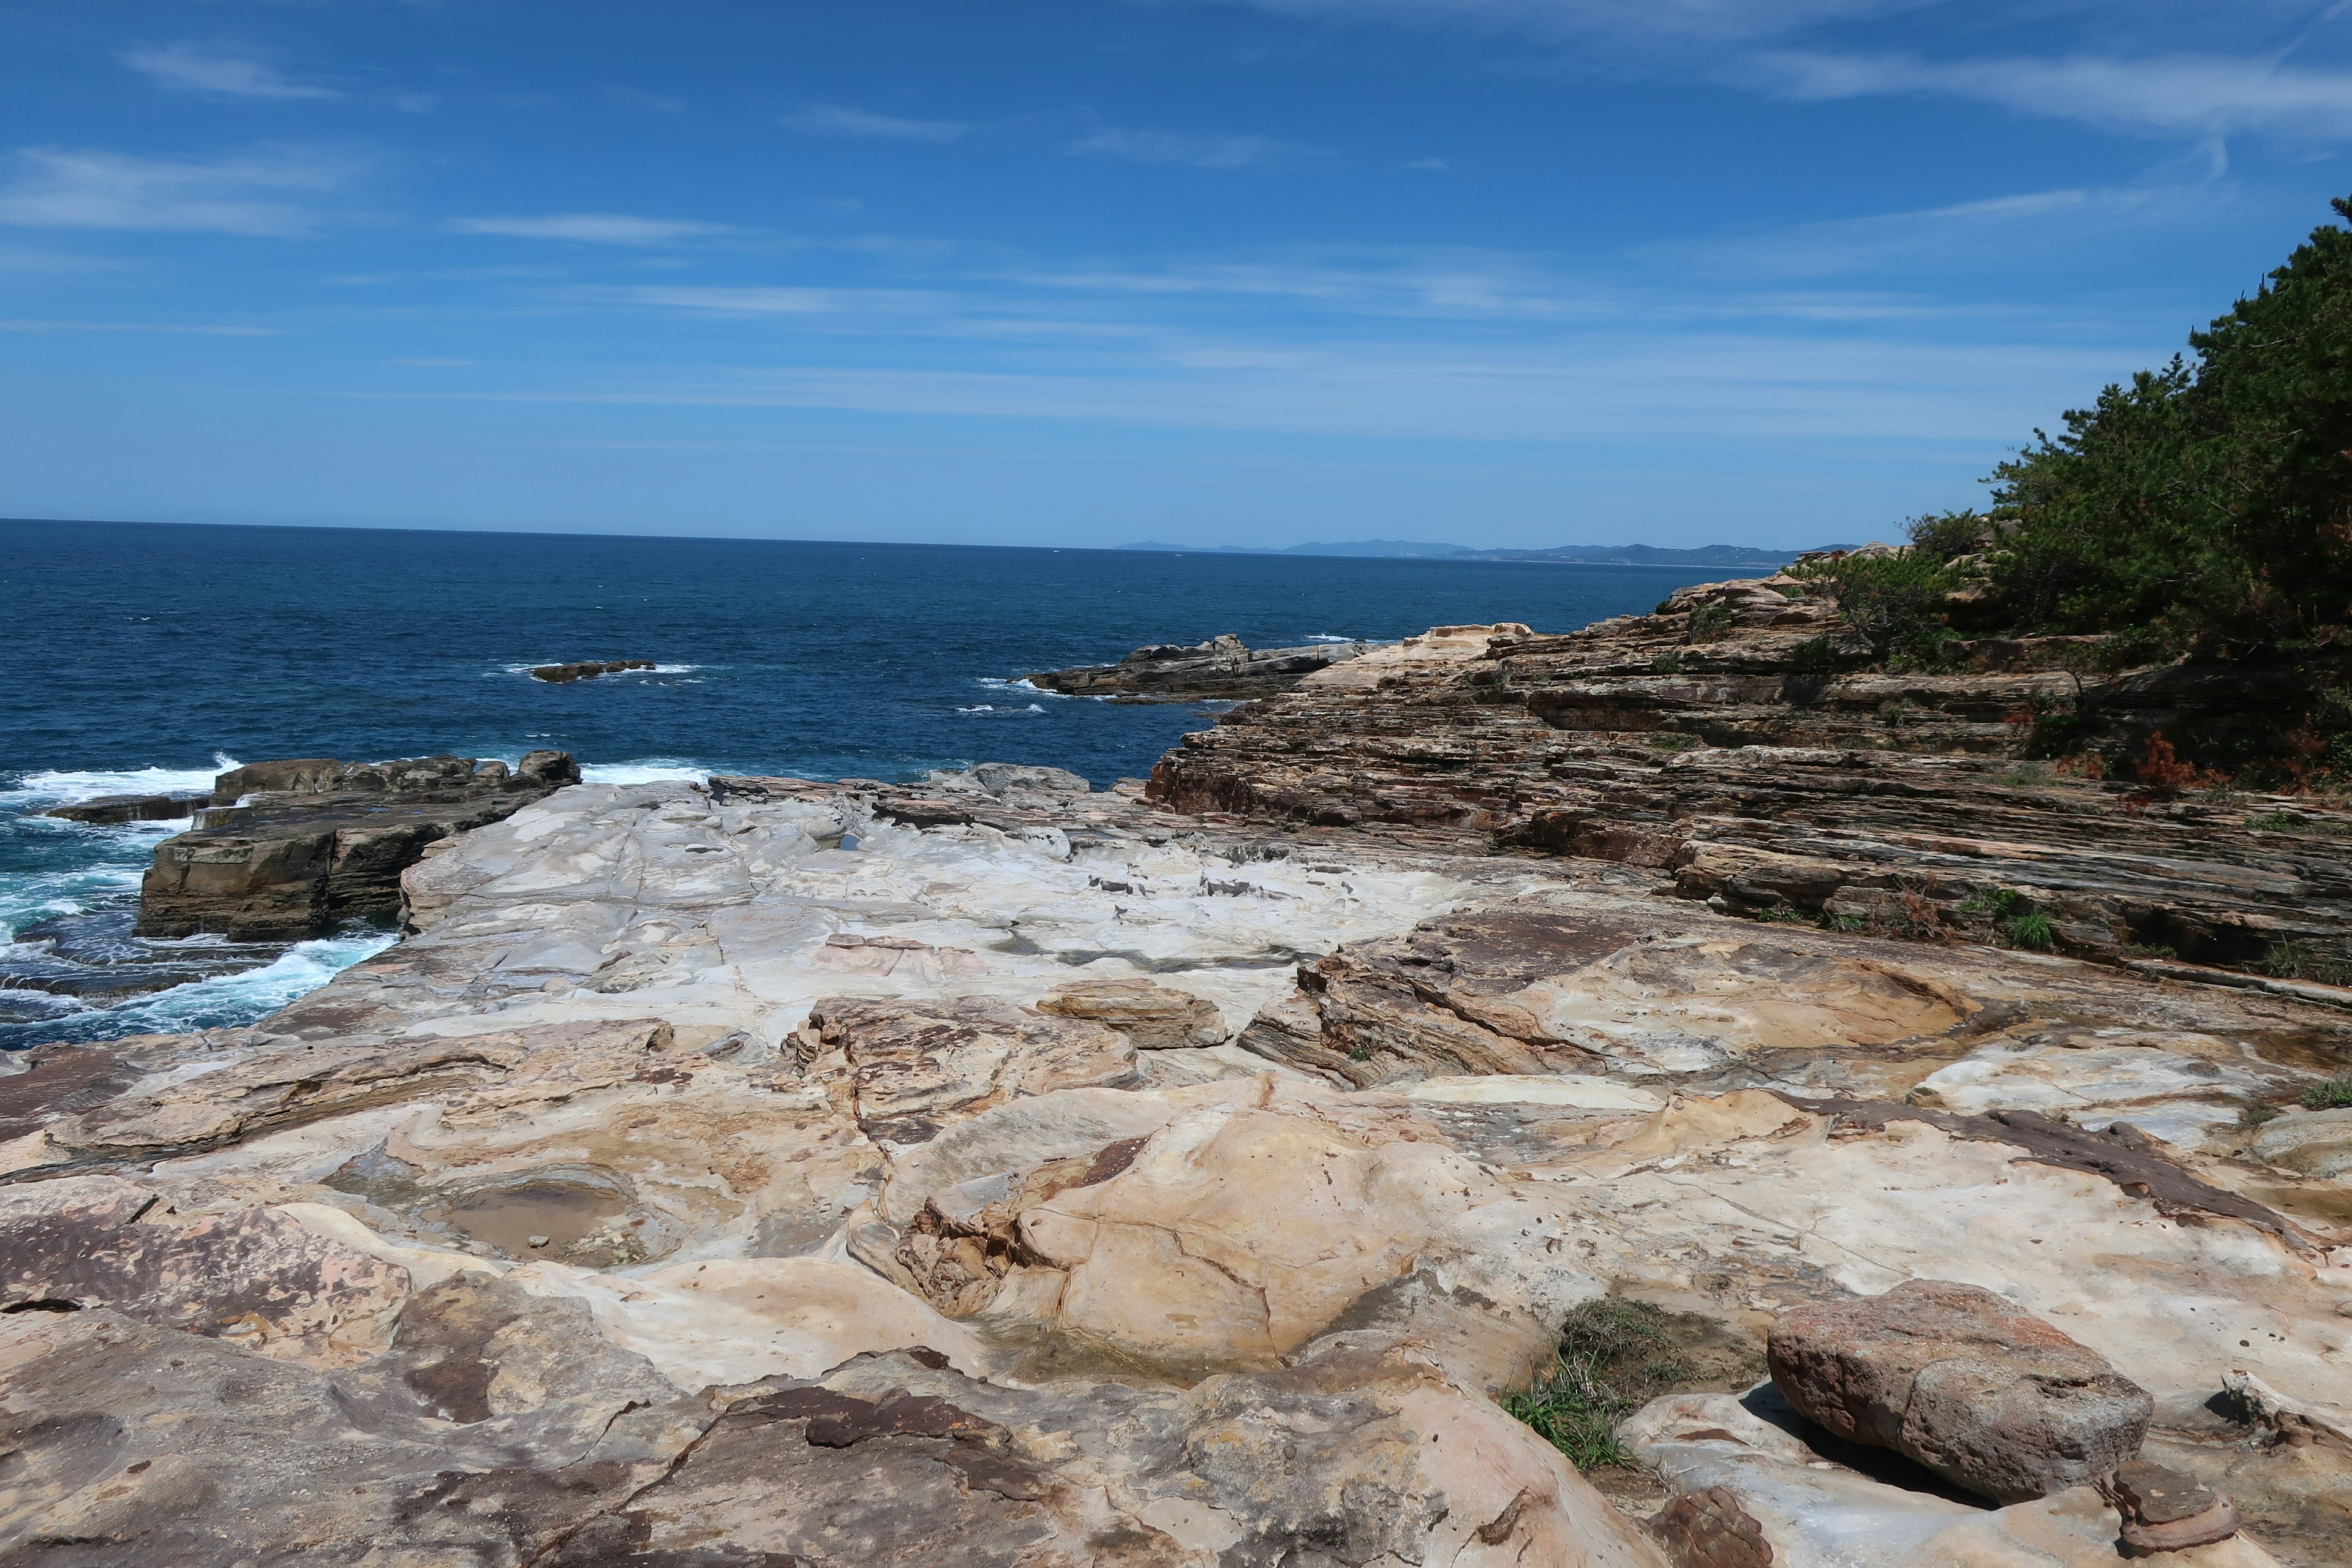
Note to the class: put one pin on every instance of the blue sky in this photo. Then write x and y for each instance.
(1498, 272)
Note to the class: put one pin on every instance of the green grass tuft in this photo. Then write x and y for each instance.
(2333, 1095)
(1607, 1361)
(2031, 930)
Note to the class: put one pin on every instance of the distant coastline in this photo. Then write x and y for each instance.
(1570, 554)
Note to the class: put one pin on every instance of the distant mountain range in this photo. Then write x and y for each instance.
(1588, 554)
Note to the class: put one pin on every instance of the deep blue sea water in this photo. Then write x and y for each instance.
(148, 656)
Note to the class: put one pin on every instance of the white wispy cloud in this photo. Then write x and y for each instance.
(1962, 234)
(59, 187)
(594, 229)
(833, 120)
(197, 68)
(2207, 95)
(1175, 149)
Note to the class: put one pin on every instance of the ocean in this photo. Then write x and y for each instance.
(150, 656)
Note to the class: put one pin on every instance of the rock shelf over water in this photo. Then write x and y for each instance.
(992, 1171)
(294, 849)
(1221, 669)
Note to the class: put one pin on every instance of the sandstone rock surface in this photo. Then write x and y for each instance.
(1953, 1377)
(994, 1170)
(1741, 743)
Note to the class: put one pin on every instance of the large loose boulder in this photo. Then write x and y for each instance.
(1951, 1376)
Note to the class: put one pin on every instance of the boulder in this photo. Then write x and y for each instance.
(1954, 1377)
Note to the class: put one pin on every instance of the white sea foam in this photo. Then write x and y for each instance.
(54, 787)
(240, 998)
(991, 707)
(1022, 686)
(648, 770)
(1326, 637)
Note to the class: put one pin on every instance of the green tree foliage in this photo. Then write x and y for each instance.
(2212, 501)
(1894, 600)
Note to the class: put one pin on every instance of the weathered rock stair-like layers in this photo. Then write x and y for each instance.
(1764, 771)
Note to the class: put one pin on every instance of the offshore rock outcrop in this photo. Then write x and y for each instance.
(1221, 667)
(292, 849)
(992, 1170)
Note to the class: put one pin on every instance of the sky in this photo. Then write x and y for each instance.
(1501, 273)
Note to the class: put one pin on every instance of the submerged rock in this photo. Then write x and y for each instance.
(589, 669)
(1953, 1377)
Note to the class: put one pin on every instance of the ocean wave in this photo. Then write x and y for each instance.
(64, 787)
(991, 707)
(995, 683)
(226, 1000)
(649, 769)
(1326, 637)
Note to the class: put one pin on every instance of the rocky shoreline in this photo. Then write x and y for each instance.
(1265, 1166)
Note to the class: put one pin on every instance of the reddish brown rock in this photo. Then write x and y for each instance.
(1953, 1377)
(1710, 1530)
(2164, 1511)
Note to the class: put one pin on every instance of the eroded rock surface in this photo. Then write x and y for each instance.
(994, 1169)
(1739, 742)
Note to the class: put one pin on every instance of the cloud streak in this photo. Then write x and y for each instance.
(2205, 95)
(217, 73)
(594, 229)
(1170, 149)
(59, 187)
(833, 120)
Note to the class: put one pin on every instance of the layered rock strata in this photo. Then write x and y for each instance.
(995, 1171)
(292, 849)
(1740, 742)
(1221, 667)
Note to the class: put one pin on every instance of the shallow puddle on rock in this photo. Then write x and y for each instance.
(507, 1218)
